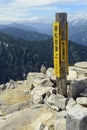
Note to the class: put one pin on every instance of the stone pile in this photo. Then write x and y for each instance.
(44, 108)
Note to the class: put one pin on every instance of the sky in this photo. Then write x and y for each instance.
(41, 10)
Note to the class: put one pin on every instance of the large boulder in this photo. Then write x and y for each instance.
(76, 118)
(57, 101)
(51, 75)
(81, 69)
(81, 65)
(38, 80)
(70, 103)
(38, 92)
(71, 76)
(82, 101)
(77, 87)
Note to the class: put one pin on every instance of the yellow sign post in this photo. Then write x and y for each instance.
(60, 39)
(56, 39)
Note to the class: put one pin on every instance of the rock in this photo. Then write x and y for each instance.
(76, 118)
(53, 99)
(2, 86)
(81, 65)
(40, 126)
(62, 103)
(81, 69)
(46, 128)
(82, 101)
(72, 76)
(2, 102)
(11, 85)
(61, 115)
(60, 124)
(34, 106)
(38, 99)
(20, 82)
(70, 103)
(60, 121)
(38, 80)
(54, 91)
(77, 87)
(7, 85)
(38, 92)
(84, 94)
(8, 109)
(1, 113)
(51, 127)
(43, 69)
(50, 74)
(26, 92)
(56, 101)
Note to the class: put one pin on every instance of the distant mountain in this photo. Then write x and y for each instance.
(78, 31)
(19, 26)
(24, 34)
(41, 27)
(18, 56)
(23, 27)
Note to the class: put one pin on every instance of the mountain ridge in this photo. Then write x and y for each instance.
(18, 56)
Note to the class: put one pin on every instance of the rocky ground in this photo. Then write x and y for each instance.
(34, 104)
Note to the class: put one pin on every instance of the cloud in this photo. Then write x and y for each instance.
(39, 10)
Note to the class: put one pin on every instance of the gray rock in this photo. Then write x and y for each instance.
(43, 69)
(77, 87)
(1, 114)
(53, 99)
(2, 103)
(82, 101)
(38, 92)
(81, 65)
(62, 103)
(34, 106)
(26, 92)
(11, 85)
(76, 118)
(38, 99)
(56, 101)
(2, 86)
(84, 94)
(16, 107)
(7, 85)
(50, 74)
(72, 76)
(70, 103)
(20, 82)
(60, 124)
(40, 126)
(38, 80)
(60, 121)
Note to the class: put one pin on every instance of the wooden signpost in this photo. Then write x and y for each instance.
(60, 39)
